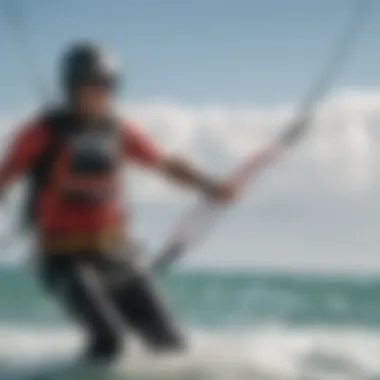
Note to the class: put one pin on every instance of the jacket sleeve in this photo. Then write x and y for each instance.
(23, 151)
(139, 147)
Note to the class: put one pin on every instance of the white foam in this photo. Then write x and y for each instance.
(271, 352)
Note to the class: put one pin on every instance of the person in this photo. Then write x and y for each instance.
(72, 156)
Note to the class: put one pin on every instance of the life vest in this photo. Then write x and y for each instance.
(93, 158)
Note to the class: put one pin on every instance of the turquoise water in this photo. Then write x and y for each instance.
(241, 326)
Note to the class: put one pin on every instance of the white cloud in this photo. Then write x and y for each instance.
(339, 154)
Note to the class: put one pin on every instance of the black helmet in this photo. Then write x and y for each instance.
(87, 64)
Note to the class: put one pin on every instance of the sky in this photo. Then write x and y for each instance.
(214, 79)
(218, 51)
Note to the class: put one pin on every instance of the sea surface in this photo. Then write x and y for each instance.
(240, 326)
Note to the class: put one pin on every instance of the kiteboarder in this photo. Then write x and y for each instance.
(72, 156)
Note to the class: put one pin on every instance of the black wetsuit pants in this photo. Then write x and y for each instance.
(108, 297)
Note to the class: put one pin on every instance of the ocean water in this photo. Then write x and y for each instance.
(240, 326)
